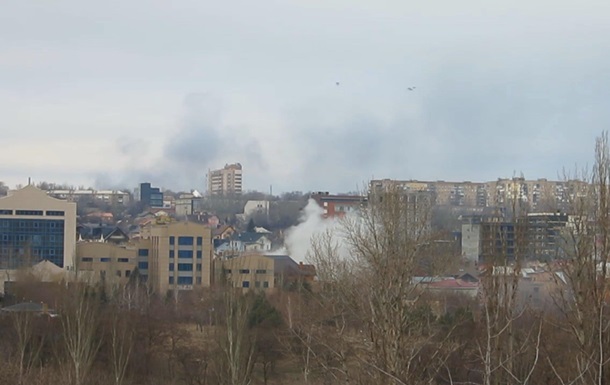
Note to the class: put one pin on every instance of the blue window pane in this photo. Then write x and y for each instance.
(185, 254)
(198, 254)
(171, 280)
(143, 265)
(172, 240)
(185, 241)
(185, 267)
(104, 259)
(171, 253)
(185, 280)
(199, 241)
(143, 252)
(199, 267)
(171, 267)
(245, 284)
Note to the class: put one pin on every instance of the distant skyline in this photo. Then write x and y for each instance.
(306, 95)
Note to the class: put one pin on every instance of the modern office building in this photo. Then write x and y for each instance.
(226, 181)
(36, 227)
(151, 196)
(175, 256)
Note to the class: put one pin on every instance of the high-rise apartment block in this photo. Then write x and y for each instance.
(36, 227)
(226, 181)
(538, 195)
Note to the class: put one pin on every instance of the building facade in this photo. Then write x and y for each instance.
(151, 196)
(107, 196)
(337, 205)
(36, 227)
(226, 181)
(175, 256)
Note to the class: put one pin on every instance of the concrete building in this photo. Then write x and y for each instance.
(175, 256)
(537, 195)
(545, 235)
(36, 227)
(337, 205)
(255, 271)
(104, 260)
(106, 196)
(226, 181)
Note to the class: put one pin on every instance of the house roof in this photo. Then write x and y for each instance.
(250, 237)
(453, 284)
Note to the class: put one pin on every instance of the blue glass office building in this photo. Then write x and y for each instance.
(35, 227)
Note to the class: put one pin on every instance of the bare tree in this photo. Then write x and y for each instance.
(586, 317)
(80, 318)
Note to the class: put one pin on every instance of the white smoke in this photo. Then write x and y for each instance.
(298, 238)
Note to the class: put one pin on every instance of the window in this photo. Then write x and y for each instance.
(142, 252)
(143, 265)
(185, 280)
(185, 254)
(185, 267)
(171, 253)
(123, 259)
(105, 259)
(28, 212)
(86, 259)
(199, 254)
(266, 284)
(199, 267)
(172, 240)
(52, 213)
(199, 241)
(127, 273)
(185, 241)
(244, 271)
(171, 280)
(245, 284)
(118, 273)
(6, 212)
(171, 267)
(261, 271)
(198, 280)
(257, 284)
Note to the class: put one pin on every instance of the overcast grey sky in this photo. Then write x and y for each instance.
(113, 93)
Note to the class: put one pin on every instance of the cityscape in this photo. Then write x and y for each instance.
(305, 192)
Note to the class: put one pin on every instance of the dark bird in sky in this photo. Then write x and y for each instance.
(411, 88)
(337, 83)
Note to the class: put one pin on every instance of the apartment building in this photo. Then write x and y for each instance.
(337, 205)
(175, 256)
(34, 227)
(225, 181)
(105, 196)
(537, 195)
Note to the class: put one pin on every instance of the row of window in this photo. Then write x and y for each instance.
(247, 271)
(104, 259)
(185, 254)
(257, 284)
(13, 224)
(185, 241)
(184, 280)
(50, 213)
(184, 267)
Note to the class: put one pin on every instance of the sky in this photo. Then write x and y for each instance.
(109, 94)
